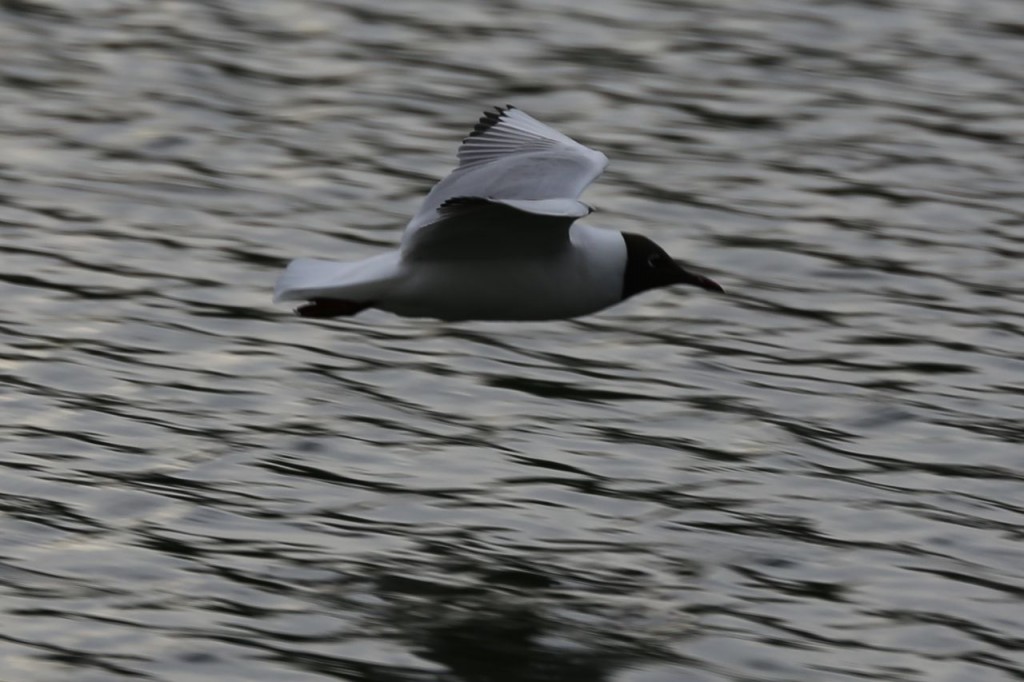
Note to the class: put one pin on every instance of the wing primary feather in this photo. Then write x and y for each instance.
(489, 120)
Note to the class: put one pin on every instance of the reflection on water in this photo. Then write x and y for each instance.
(813, 478)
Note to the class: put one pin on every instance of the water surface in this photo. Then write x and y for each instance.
(816, 477)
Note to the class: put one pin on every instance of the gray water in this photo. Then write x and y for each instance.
(815, 477)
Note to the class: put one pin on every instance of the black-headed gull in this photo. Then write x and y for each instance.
(497, 240)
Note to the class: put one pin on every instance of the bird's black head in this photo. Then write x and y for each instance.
(649, 267)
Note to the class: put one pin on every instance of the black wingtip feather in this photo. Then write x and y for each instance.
(463, 200)
(489, 120)
(455, 203)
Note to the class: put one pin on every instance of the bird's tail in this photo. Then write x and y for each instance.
(360, 281)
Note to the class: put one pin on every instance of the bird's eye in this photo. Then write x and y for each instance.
(656, 260)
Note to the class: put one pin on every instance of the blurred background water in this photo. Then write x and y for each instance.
(816, 477)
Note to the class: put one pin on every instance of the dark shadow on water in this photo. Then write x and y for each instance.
(475, 615)
(507, 646)
(488, 623)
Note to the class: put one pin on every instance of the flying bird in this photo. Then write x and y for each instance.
(498, 239)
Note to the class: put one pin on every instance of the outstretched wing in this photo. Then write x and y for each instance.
(516, 186)
(474, 228)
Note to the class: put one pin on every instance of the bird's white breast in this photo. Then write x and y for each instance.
(581, 279)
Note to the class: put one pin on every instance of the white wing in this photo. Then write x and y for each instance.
(516, 187)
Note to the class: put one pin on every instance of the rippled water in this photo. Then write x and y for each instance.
(816, 477)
